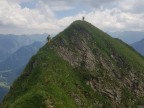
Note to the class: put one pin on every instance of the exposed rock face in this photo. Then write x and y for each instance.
(77, 52)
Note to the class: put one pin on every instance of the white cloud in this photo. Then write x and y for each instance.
(17, 20)
(11, 14)
(61, 5)
(135, 6)
(110, 20)
(18, 1)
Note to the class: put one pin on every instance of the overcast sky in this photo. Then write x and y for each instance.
(52, 16)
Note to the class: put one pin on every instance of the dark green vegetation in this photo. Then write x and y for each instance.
(81, 67)
(139, 46)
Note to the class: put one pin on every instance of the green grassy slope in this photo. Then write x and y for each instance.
(53, 80)
(50, 81)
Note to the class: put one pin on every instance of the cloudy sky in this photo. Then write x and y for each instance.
(52, 16)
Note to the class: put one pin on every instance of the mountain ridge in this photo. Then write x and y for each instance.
(80, 67)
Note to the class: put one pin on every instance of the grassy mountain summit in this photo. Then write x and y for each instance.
(81, 67)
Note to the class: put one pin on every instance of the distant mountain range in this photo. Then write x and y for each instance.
(133, 38)
(10, 43)
(128, 37)
(139, 46)
(15, 52)
(3, 92)
(14, 64)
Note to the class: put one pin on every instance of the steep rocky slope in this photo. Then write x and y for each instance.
(82, 67)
